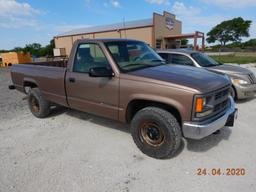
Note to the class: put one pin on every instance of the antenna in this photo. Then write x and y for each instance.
(124, 28)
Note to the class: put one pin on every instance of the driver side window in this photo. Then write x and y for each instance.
(181, 60)
(89, 55)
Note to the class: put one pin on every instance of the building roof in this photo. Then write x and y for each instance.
(112, 27)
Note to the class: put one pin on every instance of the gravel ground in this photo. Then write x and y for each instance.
(74, 151)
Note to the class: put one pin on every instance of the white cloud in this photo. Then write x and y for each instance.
(232, 3)
(15, 14)
(192, 20)
(12, 7)
(115, 4)
(15, 23)
(159, 2)
(180, 9)
(112, 3)
(253, 30)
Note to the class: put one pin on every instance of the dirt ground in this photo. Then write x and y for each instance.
(73, 151)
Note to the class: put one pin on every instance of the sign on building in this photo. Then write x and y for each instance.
(169, 22)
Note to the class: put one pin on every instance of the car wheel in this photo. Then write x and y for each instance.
(156, 132)
(38, 106)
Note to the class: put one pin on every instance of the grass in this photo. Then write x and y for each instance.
(240, 58)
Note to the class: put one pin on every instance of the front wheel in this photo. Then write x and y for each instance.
(38, 106)
(156, 132)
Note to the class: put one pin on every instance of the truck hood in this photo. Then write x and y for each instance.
(199, 79)
(229, 69)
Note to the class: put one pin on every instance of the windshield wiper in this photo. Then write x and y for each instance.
(212, 65)
(157, 60)
(143, 65)
(134, 64)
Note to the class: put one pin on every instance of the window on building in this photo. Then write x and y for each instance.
(181, 60)
(89, 55)
(158, 44)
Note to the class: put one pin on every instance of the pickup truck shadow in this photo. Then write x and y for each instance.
(202, 145)
(89, 117)
(244, 100)
(208, 142)
(112, 125)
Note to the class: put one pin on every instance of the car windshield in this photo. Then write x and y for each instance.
(133, 55)
(204, 60)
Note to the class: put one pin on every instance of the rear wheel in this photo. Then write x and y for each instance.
(156, 132)
(38, 106)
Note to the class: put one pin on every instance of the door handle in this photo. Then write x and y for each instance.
(72, 79)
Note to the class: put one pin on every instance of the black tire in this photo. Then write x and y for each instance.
(38, 106)
(157, 144)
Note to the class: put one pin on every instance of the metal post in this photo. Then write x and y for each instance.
(195, 41)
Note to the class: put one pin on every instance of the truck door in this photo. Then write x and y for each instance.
(97, 95)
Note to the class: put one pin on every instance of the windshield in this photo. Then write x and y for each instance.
(133, 55)
(204, 60)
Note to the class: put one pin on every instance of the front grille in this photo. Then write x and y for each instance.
(221, 100)
(221, 94)
(252, 78)
(221, 106)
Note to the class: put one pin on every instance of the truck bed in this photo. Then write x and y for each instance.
(40, 74)
(51, 63)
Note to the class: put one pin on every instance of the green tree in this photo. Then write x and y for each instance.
(18, 49)
(33, 49)
(184, 41)
(229, 31)
(250, 43)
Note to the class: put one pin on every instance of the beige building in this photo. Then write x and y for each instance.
(160, 31)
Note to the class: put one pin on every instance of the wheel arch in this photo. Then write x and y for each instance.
(28, 82)
(137, 104)
(235, 90)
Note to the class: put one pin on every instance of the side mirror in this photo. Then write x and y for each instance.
(100, 72)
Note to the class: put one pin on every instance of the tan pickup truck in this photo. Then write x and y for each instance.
(125, 80)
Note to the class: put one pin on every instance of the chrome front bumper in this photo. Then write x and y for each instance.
(199, 130)
(243, 92)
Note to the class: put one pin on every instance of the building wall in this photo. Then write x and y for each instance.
(85, 36)
(161, 29)
(111, 34)
(15, 58)
(64, 42)
(148, 34)
(24, 58)
(143, 34)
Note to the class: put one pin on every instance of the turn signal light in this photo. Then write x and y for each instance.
(199, 104)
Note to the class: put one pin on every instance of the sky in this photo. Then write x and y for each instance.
(28, 21)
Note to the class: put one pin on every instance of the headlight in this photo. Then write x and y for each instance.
(239, 81)
(202, 108)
